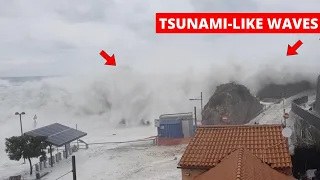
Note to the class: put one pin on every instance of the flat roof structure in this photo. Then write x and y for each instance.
(57, 134)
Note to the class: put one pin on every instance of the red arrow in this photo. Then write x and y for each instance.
(292, 50)
(111, 61)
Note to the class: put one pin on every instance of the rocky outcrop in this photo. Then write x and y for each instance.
(278, 91)
(317, 103)
(233, 101)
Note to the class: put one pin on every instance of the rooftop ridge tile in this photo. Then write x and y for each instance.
(241, 164)
(239, 126)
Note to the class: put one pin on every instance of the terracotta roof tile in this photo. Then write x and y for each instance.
(242, 165)
(212, 143)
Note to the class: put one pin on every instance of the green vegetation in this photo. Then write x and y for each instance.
(26, 147)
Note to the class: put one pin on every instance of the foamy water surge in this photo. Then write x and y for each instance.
(94, 103)
(98, 103)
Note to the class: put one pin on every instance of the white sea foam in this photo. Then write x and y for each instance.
(95, 103)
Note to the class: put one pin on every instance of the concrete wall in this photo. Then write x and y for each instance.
(311, 118)
(189, 174)
(187, 128)
(171, 141)
(303, 126)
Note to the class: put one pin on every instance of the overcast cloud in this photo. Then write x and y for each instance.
(46, 37)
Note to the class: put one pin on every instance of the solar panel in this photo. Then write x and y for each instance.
(57, 134)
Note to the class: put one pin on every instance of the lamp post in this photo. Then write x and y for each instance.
(199, 99)
(284, 94)
(20, 114)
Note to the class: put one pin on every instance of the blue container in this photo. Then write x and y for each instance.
(170, 129)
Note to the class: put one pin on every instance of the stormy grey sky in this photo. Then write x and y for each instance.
(46, 37)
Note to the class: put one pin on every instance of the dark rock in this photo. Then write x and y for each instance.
(233, 101)
(15, 177)
(144, 122)
(278, 91)
(317, 103)
(122, 122)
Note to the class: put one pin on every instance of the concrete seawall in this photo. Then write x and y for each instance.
(309, 116)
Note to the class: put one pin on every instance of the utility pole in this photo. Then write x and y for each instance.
(283, 98)
(199, 99)
(195, 117)
(284, 109)
(201, 107)
(74, 171)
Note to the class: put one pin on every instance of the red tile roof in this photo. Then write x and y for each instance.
(242, 165)
(212, 143)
